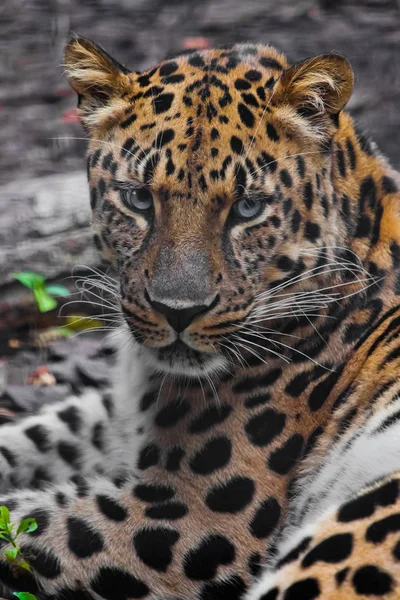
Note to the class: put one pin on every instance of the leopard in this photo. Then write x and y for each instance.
(248, 447)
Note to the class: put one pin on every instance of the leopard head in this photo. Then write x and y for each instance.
(210, 187)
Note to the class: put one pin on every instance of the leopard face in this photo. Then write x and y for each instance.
(210, 190)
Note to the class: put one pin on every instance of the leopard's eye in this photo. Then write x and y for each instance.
(248, 208)
(137, 198)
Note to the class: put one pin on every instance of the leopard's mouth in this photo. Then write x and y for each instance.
(180, 359)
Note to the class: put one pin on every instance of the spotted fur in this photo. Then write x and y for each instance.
(249, 444)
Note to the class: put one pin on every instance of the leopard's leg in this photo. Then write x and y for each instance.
(95, 433)
(144, 540)
(350, 552)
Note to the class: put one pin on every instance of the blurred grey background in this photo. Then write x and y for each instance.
(44, 223)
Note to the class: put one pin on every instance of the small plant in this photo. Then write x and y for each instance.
(44, 294)
(25, 596)
(10, 533)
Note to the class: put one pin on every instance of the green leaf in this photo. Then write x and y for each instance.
(27, 526)
(11, 554)
(4, 536)
(5, 515)
(29, 279)
(23, 564)
(24, 596)
(82, 322)
(57, 290)
(44, 301)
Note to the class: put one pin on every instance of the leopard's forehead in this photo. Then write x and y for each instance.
(211, 87)
(203, 110)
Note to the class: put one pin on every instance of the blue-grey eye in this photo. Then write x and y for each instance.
(137, 198)
(248, 208)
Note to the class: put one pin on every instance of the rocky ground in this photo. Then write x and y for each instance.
(45, 219)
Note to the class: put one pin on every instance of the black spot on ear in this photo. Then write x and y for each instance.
(201, 563)
(110, 579)
(154, 546)
(83, 540)
(265, 519)
(253, 75)
(111, 508)
(231, 496)
(270, 63)
(372, 581)
(40, 436)
(162, 103)
(71, 416)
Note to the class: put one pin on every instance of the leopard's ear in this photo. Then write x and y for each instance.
(99, 80)
(316, 88)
